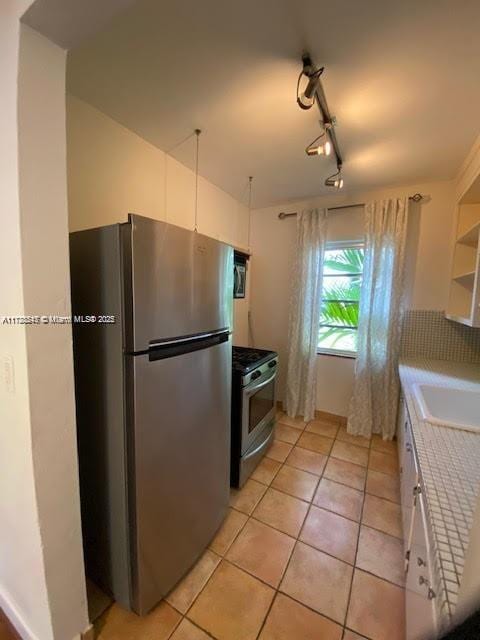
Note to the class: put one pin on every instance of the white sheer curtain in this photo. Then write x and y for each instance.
(305, 313)
(373, 407)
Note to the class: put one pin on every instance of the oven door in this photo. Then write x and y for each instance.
(258, 407)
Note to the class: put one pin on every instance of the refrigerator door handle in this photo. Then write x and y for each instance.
(187, 344)
(186, 339)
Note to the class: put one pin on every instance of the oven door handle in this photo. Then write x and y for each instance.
(251, 390)
(261, 446)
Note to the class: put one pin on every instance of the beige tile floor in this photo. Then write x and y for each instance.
(311, 549)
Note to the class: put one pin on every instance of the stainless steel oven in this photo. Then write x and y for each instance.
(253, 409)
(258, 405)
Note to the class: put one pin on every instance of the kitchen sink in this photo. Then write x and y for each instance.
(449, 407)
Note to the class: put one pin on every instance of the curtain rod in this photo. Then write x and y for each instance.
(417, 197)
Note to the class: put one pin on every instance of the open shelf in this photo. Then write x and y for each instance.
(464, 297)
(470, 237)
(466, 279)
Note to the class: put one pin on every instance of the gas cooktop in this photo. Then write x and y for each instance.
(246, 359)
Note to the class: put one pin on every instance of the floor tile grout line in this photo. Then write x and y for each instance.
(347, 609)
(356, 555)
(287, 565)
(297, 540)
(328, 456)
(311, 546)
(317, 478)
(234, 537)
(345, 628)
(310, 473)
(285, 463)
(299, 468)
(370, 448)
(250, 515)
(184, 617)
(222, 558)
(374, 495)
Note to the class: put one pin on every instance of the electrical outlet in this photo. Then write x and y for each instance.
(9, 374)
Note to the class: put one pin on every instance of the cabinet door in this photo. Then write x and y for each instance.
(419, 595)
(402, 416)
(408, 482)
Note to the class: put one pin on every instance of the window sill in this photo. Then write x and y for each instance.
(350, 355)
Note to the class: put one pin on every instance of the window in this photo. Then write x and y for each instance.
(342, 280)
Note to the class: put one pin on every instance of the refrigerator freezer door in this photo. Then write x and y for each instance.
(182, 283)
(182, 463)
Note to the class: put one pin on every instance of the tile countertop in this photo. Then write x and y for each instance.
(449, 462)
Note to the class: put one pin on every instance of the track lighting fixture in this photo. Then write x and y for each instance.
(335, 180)
(314, 94)
(323, 148)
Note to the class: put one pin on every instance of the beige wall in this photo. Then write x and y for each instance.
(41, 570)
(44, 232)
(112, 171)
(273, 244)
(23, 590)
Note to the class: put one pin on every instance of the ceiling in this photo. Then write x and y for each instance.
(69, 22)
(402, 79)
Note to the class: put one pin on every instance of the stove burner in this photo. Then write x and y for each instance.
(245, 358)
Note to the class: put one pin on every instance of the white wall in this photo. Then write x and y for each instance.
(31, 518)
(273, 247)
(112, 171)
(44, 233)
(23, 591)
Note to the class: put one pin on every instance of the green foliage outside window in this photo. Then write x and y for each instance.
(342, 280)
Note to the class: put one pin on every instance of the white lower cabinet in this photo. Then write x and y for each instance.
(419, 593)
(408, 474)
(421, 622)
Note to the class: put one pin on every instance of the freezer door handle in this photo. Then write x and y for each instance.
(187, 344)
(185, 339)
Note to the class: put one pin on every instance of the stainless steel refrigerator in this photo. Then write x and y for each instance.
(152, 306)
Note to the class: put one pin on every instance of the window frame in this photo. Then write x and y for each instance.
(340, 244)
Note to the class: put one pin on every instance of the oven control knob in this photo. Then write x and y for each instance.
(255, 375)
(272, 363)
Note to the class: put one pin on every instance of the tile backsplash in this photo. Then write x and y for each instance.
(429, 334)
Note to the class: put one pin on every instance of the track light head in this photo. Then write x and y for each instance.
(320, 149)
(323, 148)
(306, 99)
(335, 180)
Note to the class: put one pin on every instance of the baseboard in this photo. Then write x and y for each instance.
(331, 417)
(15, 619)
(321, 415)
(22, 629)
